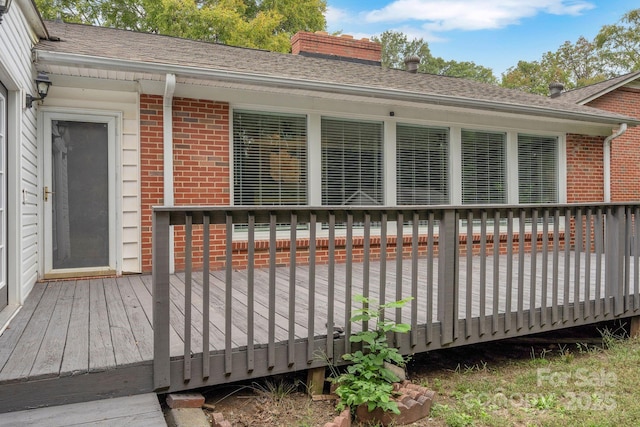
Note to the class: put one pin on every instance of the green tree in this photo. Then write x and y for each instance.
(396, 47)
(619, 44)
(297, 15)
(264, 24)
(573, 64)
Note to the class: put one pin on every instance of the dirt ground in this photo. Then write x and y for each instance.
(283, 401)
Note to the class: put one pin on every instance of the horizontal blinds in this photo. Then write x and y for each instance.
(537, 169)
(269, 158)
(483, 167)
(352, 167)
(422, 157)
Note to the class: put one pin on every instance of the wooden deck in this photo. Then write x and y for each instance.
(90, 339)
(142, 410)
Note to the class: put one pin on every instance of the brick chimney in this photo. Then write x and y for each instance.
(344, 47)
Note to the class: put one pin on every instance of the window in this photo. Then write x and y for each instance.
(352, 155)
(269, 158)
(483, 167)
(422, 173)
(537, 169)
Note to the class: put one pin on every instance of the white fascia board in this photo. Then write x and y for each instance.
(33, 18)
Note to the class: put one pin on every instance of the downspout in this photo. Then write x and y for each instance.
(167, 117)
(607, 160)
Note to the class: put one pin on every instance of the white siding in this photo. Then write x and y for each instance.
(126, 103)
(16, 73)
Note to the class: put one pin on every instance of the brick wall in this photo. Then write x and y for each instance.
(625, 150)
(151, 168)
(344, 46)
(201, 166)
(585, 173)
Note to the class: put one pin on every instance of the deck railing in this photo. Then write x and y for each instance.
(270, 290)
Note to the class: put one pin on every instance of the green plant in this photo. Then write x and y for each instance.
(544, 401)
(451, 416)
(275, 391)
(367, 380)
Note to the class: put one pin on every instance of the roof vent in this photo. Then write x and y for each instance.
(555, 89)
(411, 63)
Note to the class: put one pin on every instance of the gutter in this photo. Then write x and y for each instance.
(606, 160)
(74, 60)
(167, 126)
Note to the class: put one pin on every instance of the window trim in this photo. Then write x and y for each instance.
(314, 168)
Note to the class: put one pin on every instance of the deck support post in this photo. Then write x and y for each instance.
(614, 259)
(315, 381)
(448, 242)
(635, 327)
(160, 280)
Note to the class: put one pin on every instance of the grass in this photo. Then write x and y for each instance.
(572, 385)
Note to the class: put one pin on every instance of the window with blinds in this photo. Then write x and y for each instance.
(483, 167)
(352, 167)
(537, 169)
(422, 172)
(269, 158)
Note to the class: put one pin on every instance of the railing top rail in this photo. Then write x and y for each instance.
(379, 208)
(282, 214)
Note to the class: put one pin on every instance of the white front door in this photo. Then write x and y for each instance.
(79, 194)
(4, 289)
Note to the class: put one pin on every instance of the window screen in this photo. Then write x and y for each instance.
(537, 169)
(422, 165)
(269, 158)
(483, 167)
(352, 171)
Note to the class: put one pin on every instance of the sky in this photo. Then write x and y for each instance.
(492, 33)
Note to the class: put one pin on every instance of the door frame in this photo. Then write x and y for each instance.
(113, 120)
(4, 196)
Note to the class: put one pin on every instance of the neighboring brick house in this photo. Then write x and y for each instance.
(618, 95)
(184, 122)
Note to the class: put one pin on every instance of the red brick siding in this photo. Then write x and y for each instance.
(344, 46)
(585, 175)
(625, 150)
(340, 255)
(151, 168)
(201, 166)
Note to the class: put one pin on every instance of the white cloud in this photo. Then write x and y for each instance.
(446, 15)
(336, 17)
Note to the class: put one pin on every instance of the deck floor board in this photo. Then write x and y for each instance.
(21, 361)
(101, 353)
(19, 323)
(143, 409)
(76, 352)
(124, 343)
(49, 358)
(138, 320)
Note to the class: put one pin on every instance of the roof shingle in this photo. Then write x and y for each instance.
(109, 43)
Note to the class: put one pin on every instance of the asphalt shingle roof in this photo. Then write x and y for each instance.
(148, 48)
(577, 96)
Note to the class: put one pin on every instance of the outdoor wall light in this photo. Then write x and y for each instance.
(4, 7)
(43, 83)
